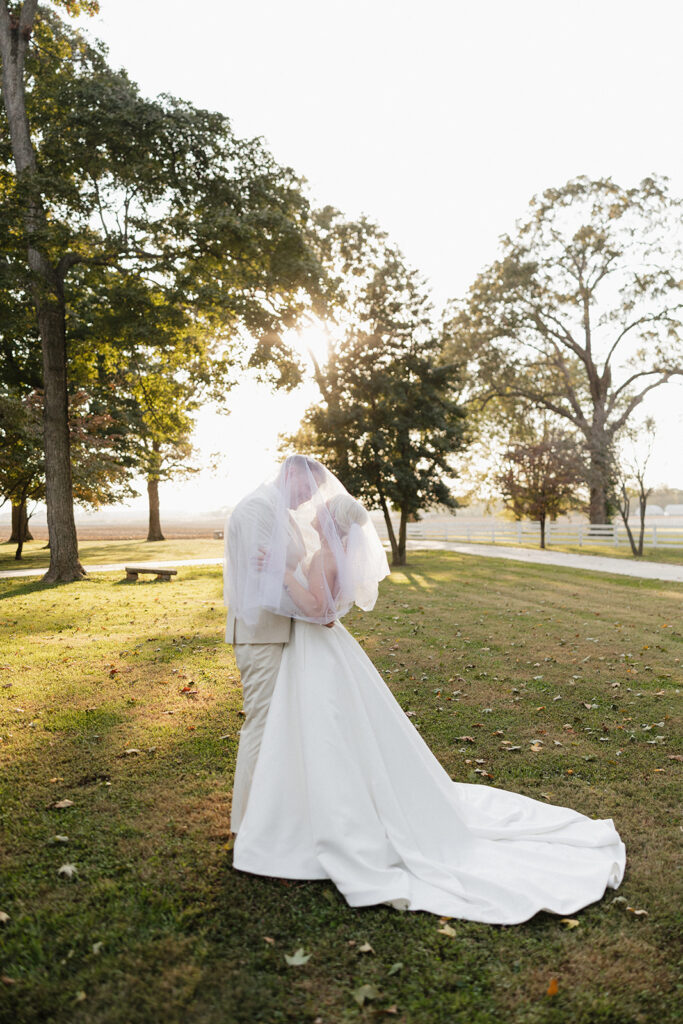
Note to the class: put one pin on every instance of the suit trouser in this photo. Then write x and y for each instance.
(258, 665)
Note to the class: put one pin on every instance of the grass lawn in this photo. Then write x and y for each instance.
(105, 552)
(157, 926)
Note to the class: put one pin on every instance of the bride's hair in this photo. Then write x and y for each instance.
(346, 511)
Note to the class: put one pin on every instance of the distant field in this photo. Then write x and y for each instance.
(104, 552)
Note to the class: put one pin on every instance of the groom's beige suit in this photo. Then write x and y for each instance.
(258, 648)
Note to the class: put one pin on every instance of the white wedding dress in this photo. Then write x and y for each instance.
(345, 788)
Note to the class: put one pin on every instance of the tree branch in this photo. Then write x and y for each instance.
(637, 399)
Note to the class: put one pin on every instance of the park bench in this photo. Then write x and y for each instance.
(133, 571)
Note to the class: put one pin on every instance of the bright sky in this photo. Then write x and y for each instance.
(439, 120)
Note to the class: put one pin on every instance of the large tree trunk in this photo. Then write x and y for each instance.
(542, 521)
(402, 534)
(22, 531)
(599, 478)
(390, 530)
(19, 523)
(15, 32)
(64, 563)
(154, 531)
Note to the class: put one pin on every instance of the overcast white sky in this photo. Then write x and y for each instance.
(438, 119)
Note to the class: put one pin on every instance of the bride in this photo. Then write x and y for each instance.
(344, 786)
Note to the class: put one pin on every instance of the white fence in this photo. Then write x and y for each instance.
(501, 532)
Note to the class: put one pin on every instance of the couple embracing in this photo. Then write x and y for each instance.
(332, 780)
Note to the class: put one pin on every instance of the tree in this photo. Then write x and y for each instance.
(389, 419)
(581, 316)
(153, 189)
(100, 465)
(629, 483)
(21, 459)
(161, 428)
(540, 478)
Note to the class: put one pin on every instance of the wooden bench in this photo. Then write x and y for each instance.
(133, 571)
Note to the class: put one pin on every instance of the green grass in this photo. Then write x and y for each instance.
(106, 552)
(472, 646)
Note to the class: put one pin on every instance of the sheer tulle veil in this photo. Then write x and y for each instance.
(304, 521)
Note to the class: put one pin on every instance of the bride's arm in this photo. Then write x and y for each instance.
(321, 578)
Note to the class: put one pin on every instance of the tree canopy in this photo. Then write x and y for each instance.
(581, 316)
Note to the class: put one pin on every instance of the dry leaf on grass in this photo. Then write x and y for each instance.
(447, 930)
(61, 804)
(553, 987)
(366, 948)
(365, 993)
(298, 958)
(570, 922)
(68, 870)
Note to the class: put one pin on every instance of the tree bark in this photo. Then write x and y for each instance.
(624, 509)
(390, 529)
(19, 515)
(598, 478)
(48, 295)
(154, 532)
(402, 533)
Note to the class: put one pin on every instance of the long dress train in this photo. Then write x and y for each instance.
(346, 788)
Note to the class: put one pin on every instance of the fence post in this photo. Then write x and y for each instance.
(519, 532)
(654, 536)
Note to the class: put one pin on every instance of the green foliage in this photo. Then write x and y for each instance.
(389, 419)
(540, 478)
(177, 251)
(581, 316)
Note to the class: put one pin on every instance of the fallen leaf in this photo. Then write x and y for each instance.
(447, 930)
(7, 980)
(536, 747)
(365, 993)
(61, 804)
(675, 757)
(130, 752)
(298, 958)
(638, 913)
(68, 870)
(553, 987)
(4, 918)
(267, 938)
(96, 947)
(570, 922)
(366, 948)
(395, 968)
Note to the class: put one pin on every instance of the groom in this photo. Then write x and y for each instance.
(258, 648)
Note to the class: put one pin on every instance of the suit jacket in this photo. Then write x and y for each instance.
(269, 627)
